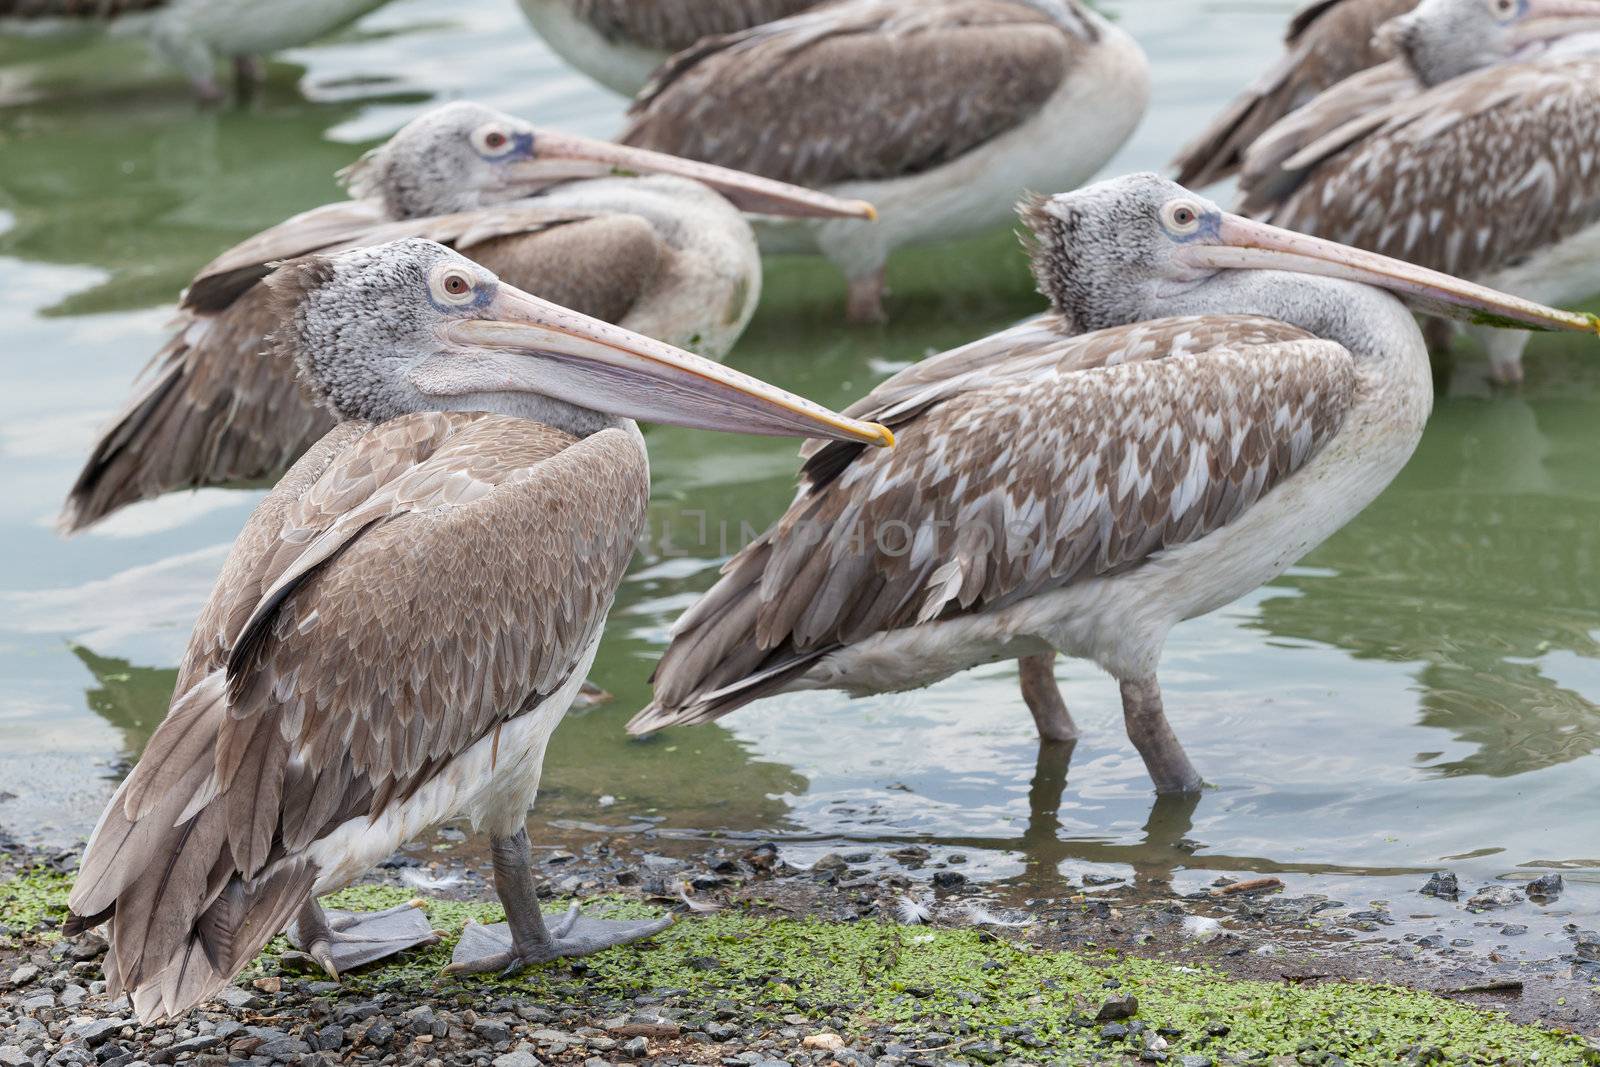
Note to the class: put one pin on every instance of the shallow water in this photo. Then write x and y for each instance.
(1417, 693)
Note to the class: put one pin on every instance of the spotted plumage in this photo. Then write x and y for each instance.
(1042, 460)
(1327, 41)
(1475, 174)
(1208, 400)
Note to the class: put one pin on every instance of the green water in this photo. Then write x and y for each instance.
(1416, 693)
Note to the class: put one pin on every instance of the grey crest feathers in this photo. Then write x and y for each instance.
(430, 166)
(1094, 249)
(352, 323)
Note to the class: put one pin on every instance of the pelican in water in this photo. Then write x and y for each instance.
(619, 43)
(1472, 153)
(667, 254)
(1209, 399)
(401, 624)
(192, 35)
(1327, 42)
(940, 112)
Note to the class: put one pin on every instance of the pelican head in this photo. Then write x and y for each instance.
(1444, 39)
(464, 156)
(412, 326)
(1129, 249)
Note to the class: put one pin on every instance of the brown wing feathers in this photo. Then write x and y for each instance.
(670, 25)
(856, 90)
(1327, 42)
(470, 562)
(1009, 480)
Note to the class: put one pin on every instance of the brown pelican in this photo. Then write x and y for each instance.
(192, 35)
(555, 214)
(938, 111)
(1327, 42)
(619, 43)
(402, 623)
(1480, 163)
(1209, 399)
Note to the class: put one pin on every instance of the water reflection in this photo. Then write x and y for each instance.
(150, 189)
(1420, 689)
(1480, 566)
(706, 781)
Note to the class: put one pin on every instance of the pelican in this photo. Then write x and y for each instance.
(1480, 163)
(1327, 42)
(1208, 400)
(402, 622)
(619, 43)
(937, 111)
(192, 35)
(668, 255)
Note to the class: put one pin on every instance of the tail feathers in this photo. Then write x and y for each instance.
(717, 662)
(218, 943)
(183, 918)
(714, 704)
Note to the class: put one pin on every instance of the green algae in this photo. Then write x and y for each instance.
(27, 899)
(999, 998)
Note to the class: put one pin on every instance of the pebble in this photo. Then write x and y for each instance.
(1443, 885)
(518, 1058)
(1491, 897)
(24, 975)
(1118, 1008)
(1545, 888)
(492, 1030)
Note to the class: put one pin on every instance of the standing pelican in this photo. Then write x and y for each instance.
(1481, 164)
(1209, 400)
(940, 112)
(401, 624)
(619, 43)
(1327, 42)
(668, 255)
(192, 35)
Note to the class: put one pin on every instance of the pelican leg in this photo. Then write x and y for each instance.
(340, 941)
(866, 298)
(1043, 697)
(1152, 735)
(249, 72)
(1505, 348)
(524, 938)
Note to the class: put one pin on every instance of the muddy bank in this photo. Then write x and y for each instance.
(863, 957)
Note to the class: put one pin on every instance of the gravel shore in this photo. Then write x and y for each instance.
(864, 957)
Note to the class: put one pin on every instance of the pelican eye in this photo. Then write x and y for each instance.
(491, 140)
(1181, 217)
(454, 286)
(1505, 8)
